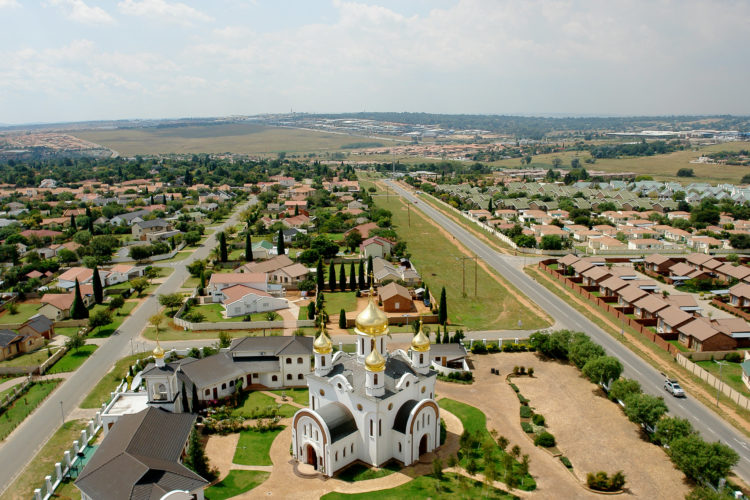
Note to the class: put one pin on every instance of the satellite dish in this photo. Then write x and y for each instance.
(136, 381)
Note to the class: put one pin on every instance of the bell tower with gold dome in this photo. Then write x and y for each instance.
(322, 348)
(371, 327)
(420, 351)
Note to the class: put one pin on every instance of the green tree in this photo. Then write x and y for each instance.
(225, 340)
(353, 240)
(172, 301)
(551, 242)
(707, 493)
(361, 275)
(192, 238)
(602, 369)
(685, 172)
(75, 342)
(248, 248)
(342, 319)
(139, 285)
(332, 277)
(223, 247)
(280, 246)
(645, 409)
(622, 388)
(196, 268)
(437, 469)
(311, 310)
(319, 275)
(342, 278)
(97, 285)
(196, 458)
(78, 309)
(443, 308)
(352, 277)
(73, 223)
(369, 270)
(116, 302)
(670, 428)
(582, 349)
(100, 318)
(702, 461)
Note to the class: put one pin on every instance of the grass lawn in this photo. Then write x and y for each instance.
(299, 396)
(25, 404)
(475, 422)
(43, 463)
(163, 272)
(236, 482)
(731, 374)
(8, 391)
(258, 402)
(67, 331)
(213, 313)
(678, 345)
(100, 393)
(360, 472)
(302, 312)
(117, 318)
(335, 301)
(191, 282)
(254, 446)
(25, 311)
(32, 359)
(435, 255)
(73, 359)
(451, 487)
(181, 255)
(177, 334)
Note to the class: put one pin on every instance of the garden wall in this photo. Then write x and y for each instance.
(714, 381)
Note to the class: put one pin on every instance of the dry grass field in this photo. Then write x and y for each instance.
(238, 138)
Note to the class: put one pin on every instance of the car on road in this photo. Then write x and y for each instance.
(673, 387)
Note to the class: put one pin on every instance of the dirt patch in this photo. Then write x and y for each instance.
(221, 450)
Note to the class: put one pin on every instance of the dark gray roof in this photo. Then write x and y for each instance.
(279, 346)
(152, 223)
(450, 351)
(132, 215)
(139, 458)
(39, 323)
(7, 337)
(402, 416)
(354, 371)
(339, 420)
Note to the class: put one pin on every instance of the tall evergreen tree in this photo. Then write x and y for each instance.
(90, 225)
(248, 248)
(152, 199)
(443, 310)
(311, 310)
(96, 282)
(342, 319)
(280, 247)
(222, 247)
(78, 309)
(446, 335)
(196, 402)
(185, 403)
(319, 274)
(332, 277)
(489, 206)
(196, 458)
(188, 177)
(73, 222)
(88, 212)
(361, 275)
(342, 278)
(296, 209)
(369, 271)
(352, 278)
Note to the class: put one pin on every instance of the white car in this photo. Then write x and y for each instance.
(673, 387)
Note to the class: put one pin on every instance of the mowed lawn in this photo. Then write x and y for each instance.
(25, 404)
(254, 446)
(24, 311)
(236, 482)
(451, 487)
(73, 359)
(435, 257)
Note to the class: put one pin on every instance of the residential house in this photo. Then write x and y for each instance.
(645, 244)
(696, 260)
(671, 318)
(451, 356)
(220, 281)
(682, 271)
(739, 295)
(376, 247)
(13, 343)
(395, 298)
(38, 325)
(630, 294)
(610, 286)
(363, 229)
(266, 266)
(263, 249)
(121, 273)
(142, 229)
(129, 218)
(289, 276)
(84, 275)
(729, 272)
(737, 328)
(241, 300)
(658, 263)
(648, 306)
(699, 334)
(605, 243)
(685, 302)
(595, 275)
(384, 270)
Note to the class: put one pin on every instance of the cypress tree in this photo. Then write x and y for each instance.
(196, 401)
(342, 319)
(311, 310)
(222, 247)
(78, 309)
(352, 278)
(319, 274)
(152, 199)
(91, 225)
(332, 277)
(97, 284)
(443, 310)
(280, 247)
(296, 209)
(361, 275)
(446, 336)
(73, 222)
(248, 248)
(489, 205)
(196, 457)
(185, 404)
(369, 270)
(342, 278)
(88, 212)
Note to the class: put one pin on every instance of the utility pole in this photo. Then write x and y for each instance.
(408, 211)
(718, 387)
(62, 413)
(463, 260)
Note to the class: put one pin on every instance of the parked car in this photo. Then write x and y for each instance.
(673, 387)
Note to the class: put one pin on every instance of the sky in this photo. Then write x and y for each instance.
(76, 60)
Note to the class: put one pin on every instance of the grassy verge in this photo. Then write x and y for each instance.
(299, 396)
(100, 393)
(450, 487)
(674, 367)
(175, 334)
(731, 374)
(43, 463)
(24, 312)
(438, 260)
(73, 359)
(254, 446)
(118, 317)
(236, 482)
(35, 358)
(359, 472)
(25, 404)
(179, 256)
(258, 403)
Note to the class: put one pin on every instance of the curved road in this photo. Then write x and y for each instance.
(25, 441)
(703, 419)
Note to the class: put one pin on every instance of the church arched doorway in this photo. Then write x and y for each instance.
(312, 457)
(423, 445)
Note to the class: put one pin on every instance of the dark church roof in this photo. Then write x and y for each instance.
(339, 420)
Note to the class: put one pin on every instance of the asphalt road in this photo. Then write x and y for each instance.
(25, 441)
(711, 426)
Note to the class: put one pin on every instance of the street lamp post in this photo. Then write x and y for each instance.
(62, 413)
(718, 387)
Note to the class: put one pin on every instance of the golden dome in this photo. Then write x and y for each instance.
(371, 321)
(420, 342)
(374, 362)
(322, 344)
(158, 351)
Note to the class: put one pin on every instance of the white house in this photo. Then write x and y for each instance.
(240, 300)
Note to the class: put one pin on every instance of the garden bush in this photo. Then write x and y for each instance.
(527, 428)
(526, 412)
(531, 371)
(514, 387)
(545, 439)
(522, 399)
(733, 357)
(566, 462)
(538, 419)
(602, 482)
(478, 348)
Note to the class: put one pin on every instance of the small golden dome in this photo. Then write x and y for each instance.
(374, 362)
(420, 342)
(371, 321)
(322, 344)
(158, 352)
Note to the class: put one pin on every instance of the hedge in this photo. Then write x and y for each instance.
(527, 428)
(526, 412)
(545, 439)
(566, 462)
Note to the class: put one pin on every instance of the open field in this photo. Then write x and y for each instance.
(236, 138)
(436, 259)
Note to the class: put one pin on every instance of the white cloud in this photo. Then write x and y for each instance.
(163, 11)
(9, 4)
(78, 10)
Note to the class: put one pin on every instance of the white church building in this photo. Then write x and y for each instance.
(372, 405)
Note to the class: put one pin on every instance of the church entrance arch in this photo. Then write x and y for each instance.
(312, 457)
(423, 445)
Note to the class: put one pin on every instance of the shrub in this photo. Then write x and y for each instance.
(522, 399)
(527, 428)
(515, 370)
(492, 347)
(194, 317)
(566, 462)
(622, 388)
(522, 370)
(526, 412)
(538, 419)
(478, 348)
(514, 387)
(602, 482)
(545, 439)
(531, 371)
(733, 357)
(443, 431)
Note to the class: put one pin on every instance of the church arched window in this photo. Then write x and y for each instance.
(421, 358)
(375, 379)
